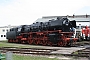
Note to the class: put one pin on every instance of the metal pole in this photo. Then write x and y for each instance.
(9, 55)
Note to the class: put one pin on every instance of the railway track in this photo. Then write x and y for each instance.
(40, 51)
(83, 43)
(80, 53)
(35, 51)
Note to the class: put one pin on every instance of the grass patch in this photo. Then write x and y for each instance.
(18, 57)
(6, 44)
(75, 52)
(27, 57)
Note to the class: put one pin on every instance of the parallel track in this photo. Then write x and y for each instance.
(39, 51)
(36, 51)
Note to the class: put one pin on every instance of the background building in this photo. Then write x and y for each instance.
(82, 20)
(3, 31)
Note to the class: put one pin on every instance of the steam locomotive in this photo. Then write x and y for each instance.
(57, 31)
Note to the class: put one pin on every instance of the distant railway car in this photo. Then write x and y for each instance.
(54, 32)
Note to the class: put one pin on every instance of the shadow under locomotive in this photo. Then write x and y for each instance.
(58, 31)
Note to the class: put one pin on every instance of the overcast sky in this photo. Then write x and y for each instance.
(20, 12)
